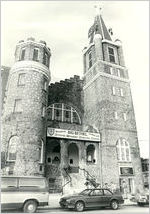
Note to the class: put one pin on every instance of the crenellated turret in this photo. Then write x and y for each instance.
(24, 121)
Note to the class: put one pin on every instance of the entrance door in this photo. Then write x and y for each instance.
(126, 186)
(73, 157)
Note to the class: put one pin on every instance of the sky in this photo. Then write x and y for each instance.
(64, 26)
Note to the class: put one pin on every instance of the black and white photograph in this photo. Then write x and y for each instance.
(75, 107)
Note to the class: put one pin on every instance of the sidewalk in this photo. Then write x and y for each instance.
(54, 200)
(128, 202)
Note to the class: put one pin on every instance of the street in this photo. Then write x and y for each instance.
(123, 210)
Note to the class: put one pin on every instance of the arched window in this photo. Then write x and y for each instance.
(63, 113)
(90, 153)
(12, 148)
(123, 150)
(41, 149)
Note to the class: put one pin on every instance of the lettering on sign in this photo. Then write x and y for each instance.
(71, 134)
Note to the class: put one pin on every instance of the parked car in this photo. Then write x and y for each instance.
(92, 198)
(23, 192)
(143, 199)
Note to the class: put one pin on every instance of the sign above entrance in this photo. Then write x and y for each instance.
(71, 134)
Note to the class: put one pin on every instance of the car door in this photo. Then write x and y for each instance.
(9, 196)
(96, 198)
(107, 197)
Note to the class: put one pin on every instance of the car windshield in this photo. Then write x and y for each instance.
(85, 192)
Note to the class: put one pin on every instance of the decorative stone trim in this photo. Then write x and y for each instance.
(34, 43)
(105, 75)
(32, 65)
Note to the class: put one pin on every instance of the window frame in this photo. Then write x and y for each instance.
(43, 114)
(113, 90)
(111, 54)
(46, 59)
(63, 108)
(121, 92)
(124, 116)
(116, 115)
(111, 70)
(37, 57)
(10, 148)
(19, 78)
(93, 156)
(122, 151)
(22, 56)
(14, 110)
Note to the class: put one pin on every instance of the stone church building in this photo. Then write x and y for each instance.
(76, 132)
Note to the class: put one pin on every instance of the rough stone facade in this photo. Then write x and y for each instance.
(108, 106)
(4, 77)
(23, 116)
(100, 104)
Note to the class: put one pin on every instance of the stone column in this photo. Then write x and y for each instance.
(64, 154)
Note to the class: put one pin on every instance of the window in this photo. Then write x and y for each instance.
(21, 79)
(71, 161)
(46, 59)
(43, 110)
(41, 149)
(124, 116)
(116, 115)
(36, 54)
(118, 72)
(41, 168)
(22, 57)
(97, 192)
(90, 154)
(45, 85)
(111, 55)
(12, 148)
(90, 59)
(49, 160)
(63, 113)
(31, 182)
(123, 150)
(18, 105)
(111, 70)
(113, 90)
(126, 171)
(121, 92)
(9, 183)
(107, 192)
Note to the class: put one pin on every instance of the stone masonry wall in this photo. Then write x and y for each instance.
(28, 125)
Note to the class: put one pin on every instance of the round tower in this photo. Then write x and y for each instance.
(23, 119)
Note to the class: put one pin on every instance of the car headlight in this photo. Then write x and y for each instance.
(69, 200)
(142, 196)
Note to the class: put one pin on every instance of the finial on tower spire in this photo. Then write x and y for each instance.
(97, 10)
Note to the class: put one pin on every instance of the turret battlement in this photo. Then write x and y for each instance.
(31, 50)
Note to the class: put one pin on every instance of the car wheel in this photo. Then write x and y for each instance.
(114, 205)
(30, 206)
(79, 206)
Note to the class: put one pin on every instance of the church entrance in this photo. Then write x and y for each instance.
(127, 186)
(53, 159)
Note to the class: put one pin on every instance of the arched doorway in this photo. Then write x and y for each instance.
(53, 159)
(73, 157)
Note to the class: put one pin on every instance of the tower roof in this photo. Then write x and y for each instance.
(98, 27)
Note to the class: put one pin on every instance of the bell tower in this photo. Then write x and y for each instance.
(23, 119)
(108, 106)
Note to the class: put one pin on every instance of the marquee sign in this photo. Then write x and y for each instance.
(71, 134)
